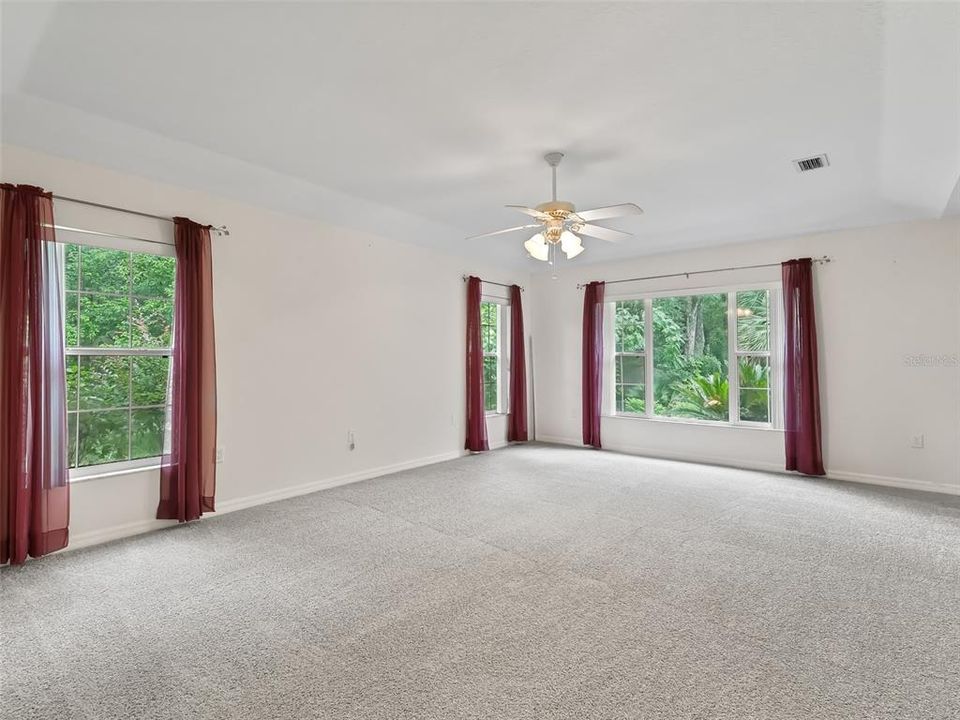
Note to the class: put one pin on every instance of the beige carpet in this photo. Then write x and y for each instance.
(532, 582)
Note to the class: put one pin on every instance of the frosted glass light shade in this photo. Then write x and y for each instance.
(570, 244)
(537, 247)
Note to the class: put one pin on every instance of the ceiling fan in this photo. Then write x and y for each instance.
(560, 223)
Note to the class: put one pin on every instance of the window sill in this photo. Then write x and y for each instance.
(495, 414)
(96, 472)
(698, 423)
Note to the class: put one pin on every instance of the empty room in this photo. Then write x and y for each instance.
(492, 360)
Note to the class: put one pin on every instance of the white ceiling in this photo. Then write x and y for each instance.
(442, 112)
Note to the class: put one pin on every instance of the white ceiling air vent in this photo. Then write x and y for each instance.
(811, 163)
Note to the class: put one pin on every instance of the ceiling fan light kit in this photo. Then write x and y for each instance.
(561, 225)
(537, 247)
(570, 244)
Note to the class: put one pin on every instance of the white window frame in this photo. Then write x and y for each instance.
(89, 472)
(502, 354)
(123, 467)
(733, 368)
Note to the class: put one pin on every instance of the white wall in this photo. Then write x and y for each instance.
(891, 292)
(320, 329)
(323, 328)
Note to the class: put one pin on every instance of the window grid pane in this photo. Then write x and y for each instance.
(754, 379)
(753, 321)
(631, 398)
(103, 436)
(629, 383)
(104, 382)
(490, 372)
(629, 326)
(146, 432)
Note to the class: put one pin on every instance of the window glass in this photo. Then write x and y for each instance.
(490, 337)
(690, 357)
(753, 326)
(753, 354)
(754, 388)
(629, 326)
(630, 360)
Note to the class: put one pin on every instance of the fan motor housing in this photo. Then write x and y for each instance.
(559, 209)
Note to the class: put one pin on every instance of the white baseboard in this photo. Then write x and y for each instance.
(115, 532)
(102, 535)
(843, 475)
(661, 455)
(905, 483)
(228, 506)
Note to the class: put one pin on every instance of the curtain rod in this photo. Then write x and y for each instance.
(491, 282)
(222, 230)
(820, 260)
(108, 234)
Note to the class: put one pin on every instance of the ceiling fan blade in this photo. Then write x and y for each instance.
(601, 232)
(611, 211)
(501, 232)
(530, 211)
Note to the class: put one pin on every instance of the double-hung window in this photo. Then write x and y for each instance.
(695, 356)
(629, 357)
(751, 310)
(494, 372)
(119, 332)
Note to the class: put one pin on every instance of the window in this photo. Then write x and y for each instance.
(119, 324)
(490, 334)
(753, 354)
(672, 357)
(629, 358)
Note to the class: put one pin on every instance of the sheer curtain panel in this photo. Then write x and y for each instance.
(188, 469)
(517, 419)
(476, 413)
(34, 476)
(592, 382)
(801, 392)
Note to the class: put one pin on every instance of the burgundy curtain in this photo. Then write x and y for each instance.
(34, 476)
(517, 420)
(188, 468)
(801, 419)
(592, 384)
(476, 415)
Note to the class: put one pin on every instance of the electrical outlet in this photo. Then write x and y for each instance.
(917, 442)
(351, 440)
(219, 454)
